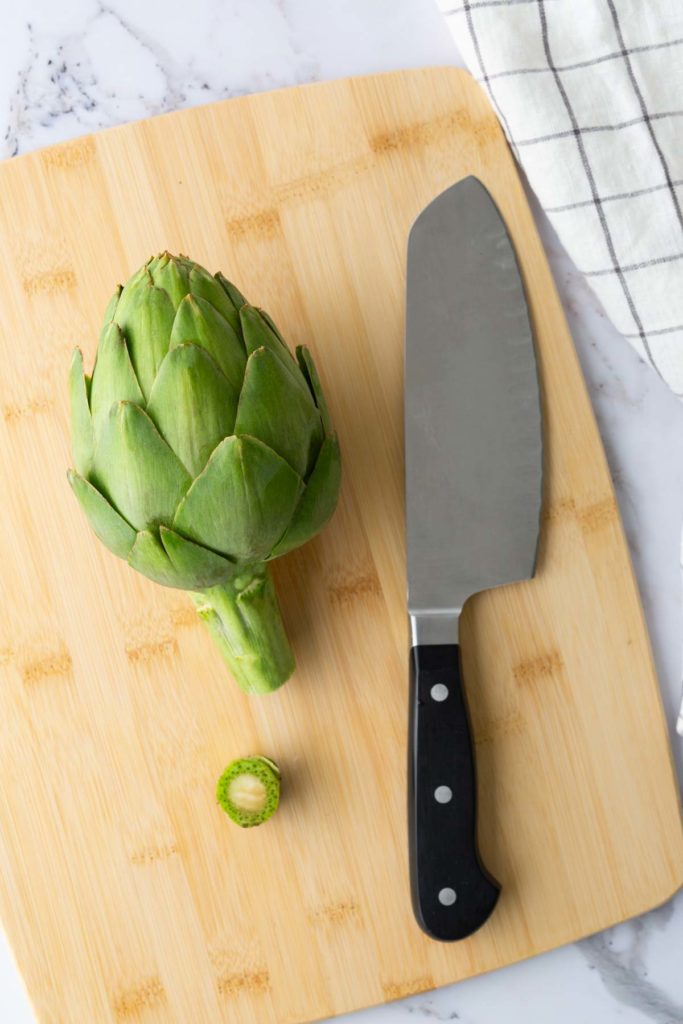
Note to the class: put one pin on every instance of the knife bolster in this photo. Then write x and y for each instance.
(431, 628)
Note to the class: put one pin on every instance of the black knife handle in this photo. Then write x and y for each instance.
(452, 892)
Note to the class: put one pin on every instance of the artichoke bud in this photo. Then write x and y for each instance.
(203, 449)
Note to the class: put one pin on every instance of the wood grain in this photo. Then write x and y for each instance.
(126, 893)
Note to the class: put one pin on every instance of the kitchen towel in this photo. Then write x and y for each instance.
(590, 96)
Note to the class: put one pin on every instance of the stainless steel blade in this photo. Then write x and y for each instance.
(473, 436)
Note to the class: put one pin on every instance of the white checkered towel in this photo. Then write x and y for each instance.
(590, 95)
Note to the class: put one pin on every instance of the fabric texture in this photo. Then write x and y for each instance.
(590, 95)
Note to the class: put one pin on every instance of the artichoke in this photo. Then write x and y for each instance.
(203, 450)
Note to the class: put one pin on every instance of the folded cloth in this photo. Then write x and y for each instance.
(590, 96)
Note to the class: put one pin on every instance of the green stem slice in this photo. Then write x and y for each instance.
(249, 790)
(243, 617)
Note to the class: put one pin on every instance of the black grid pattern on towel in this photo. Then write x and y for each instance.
(563, 75)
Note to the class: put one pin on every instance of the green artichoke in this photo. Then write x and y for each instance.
(203, 450)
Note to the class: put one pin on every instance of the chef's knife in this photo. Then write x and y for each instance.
(473, 498)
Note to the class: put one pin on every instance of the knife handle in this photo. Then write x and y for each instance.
(452, 892)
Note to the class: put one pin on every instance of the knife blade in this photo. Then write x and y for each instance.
(474, 464)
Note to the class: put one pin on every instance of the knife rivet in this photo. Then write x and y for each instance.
(447, 897)
(439, 692)
(443, 794)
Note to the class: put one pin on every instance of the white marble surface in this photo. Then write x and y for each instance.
(79, 65)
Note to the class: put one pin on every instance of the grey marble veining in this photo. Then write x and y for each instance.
(80, 65)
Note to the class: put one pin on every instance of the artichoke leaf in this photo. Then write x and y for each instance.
(257, 334)
(145, 315)
(135, 468)
(82, 436)
(198, 565)
(180, 258)
(205, 286)
(242, 501)
(113, 377)
(111, 528)
(274, 408)
(233, 293)
(192, 404)
(305, 360)
(273, 326)
(149, 557)
(199, 322)
(171, 275)
(318, 501)
(109, 311)
(152, 263)
(176, 562)
(127, 295)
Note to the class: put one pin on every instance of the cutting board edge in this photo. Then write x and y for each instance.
(539, 950)
(168, 116)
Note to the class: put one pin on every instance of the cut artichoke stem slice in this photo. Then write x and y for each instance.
(249, 790)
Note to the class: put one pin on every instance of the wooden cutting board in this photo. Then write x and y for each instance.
(126, 893)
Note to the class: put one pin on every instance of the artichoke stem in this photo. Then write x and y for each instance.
(243, 617)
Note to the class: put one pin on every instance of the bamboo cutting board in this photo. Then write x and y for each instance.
(126, 894)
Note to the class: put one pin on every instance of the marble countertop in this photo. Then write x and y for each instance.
(81, 65)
